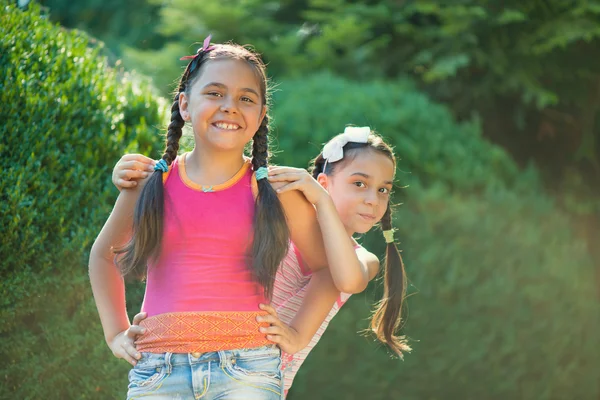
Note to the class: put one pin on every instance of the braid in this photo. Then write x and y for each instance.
(174, 132)
(271, 234)
(260, 146)
(146, 241)
(386, 318)
(386, 220)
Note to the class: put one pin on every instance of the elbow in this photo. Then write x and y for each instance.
(93, 260)
(352, 286)
(97, 257)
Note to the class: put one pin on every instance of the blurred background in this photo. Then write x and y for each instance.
(493, 109)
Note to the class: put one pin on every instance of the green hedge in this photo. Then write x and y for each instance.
(66, 119)
(504, 296)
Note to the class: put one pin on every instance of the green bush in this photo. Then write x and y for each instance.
(433, 147)
(504, 300)
(66, 119)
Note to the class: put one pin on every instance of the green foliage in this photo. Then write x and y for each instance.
(253, 22)
(67, 119)
(528, 68)
(520, 47)
(116, 23)
(432, 147)
(504, 300)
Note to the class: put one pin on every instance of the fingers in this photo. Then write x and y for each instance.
(135, 331)
(125, 184)
(139, 317)
(272, 330)
(139, 158)
(290, 186)
(285, 177)
(268, 308)
(272, 318)
(137, 165)
(269, 319)
(129, 174)
(275, 170)
(127, 357)
(277, 185)
(131, 351)
(275, 339)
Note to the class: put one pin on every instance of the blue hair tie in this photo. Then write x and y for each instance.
(161, 166)
(262, 173)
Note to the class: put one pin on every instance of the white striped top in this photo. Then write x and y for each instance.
(288, 294)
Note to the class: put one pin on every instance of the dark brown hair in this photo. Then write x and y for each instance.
(271, 235)
(387, 315)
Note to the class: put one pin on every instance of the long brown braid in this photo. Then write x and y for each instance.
(149, 210)
(271, 234)
(269, 219)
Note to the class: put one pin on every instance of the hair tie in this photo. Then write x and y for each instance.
(262, 173)
(161, 166)
(334, 150)
(206, 47)
(389, 236)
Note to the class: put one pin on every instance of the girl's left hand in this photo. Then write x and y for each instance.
(298, 179)
(286, 337)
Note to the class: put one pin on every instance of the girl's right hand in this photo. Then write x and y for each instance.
(130, 168)
(288, 339)
(123, 344)
(287, 178)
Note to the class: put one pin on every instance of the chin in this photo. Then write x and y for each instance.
(362, 229)
(227, 146)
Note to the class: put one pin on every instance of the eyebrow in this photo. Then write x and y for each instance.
(369, 177)
(222, 86)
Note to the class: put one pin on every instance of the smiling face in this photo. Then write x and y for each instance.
(225, 105)
(360, 188)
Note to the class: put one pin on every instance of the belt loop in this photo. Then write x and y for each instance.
(222, 358)
(168, 362)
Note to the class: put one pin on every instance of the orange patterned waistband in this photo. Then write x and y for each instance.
(191, 332)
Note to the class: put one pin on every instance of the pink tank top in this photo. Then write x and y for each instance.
(203, 264)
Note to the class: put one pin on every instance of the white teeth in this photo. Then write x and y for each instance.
(222, 125)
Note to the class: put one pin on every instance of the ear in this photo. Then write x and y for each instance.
(263, 112)
(184, 106)
(323, 180)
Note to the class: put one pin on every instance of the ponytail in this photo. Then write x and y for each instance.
(387, 317)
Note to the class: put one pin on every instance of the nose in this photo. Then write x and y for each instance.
(228, 105)
(372, 198)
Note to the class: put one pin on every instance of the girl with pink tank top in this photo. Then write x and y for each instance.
(359, 187)
(207, 231)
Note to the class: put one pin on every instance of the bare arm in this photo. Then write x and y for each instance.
(302, 222)
(350, 273)
(319, 298)
(107, 283)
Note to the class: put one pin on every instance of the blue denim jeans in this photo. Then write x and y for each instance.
(251, 374)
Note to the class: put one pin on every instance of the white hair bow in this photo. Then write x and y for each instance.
(334, 150)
